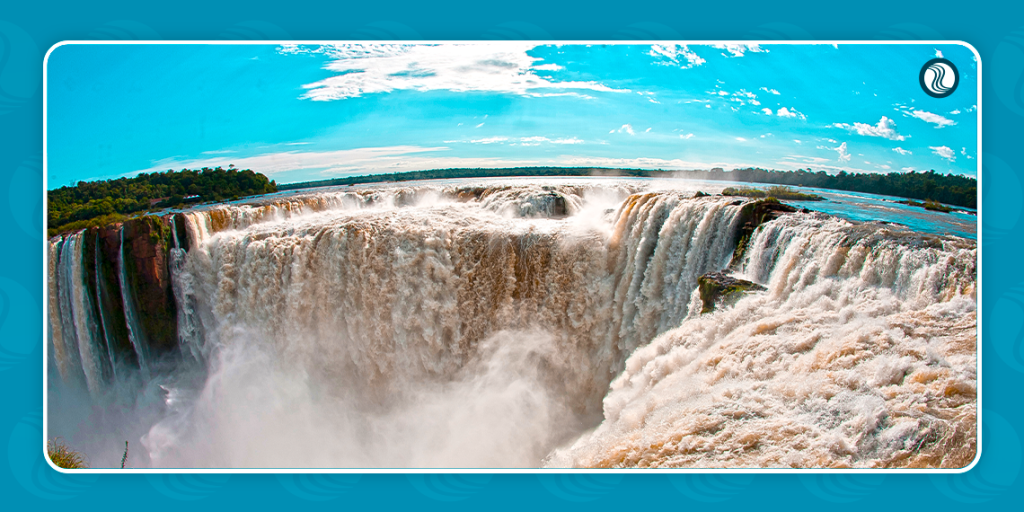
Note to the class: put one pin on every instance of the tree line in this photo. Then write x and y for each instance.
(944, 188)
(96, 203)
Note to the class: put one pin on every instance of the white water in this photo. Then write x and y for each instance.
(82, 322)
(860, 354)
(439, 326)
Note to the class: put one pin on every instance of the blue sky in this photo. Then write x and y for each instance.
(309, 112)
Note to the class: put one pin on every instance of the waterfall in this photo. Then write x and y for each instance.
(526, 324)
(861, 353)
(135, 334)
(59, 336)
(80, 306)
(101, 308)
(189, 328)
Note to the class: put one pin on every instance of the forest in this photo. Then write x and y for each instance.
(97, 203)
(926, 186)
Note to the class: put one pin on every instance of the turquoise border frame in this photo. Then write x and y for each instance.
(996, 29)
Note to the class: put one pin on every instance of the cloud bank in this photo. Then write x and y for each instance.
(379, 68)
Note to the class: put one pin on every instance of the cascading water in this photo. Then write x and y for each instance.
(131, 317)
(101, 297)
(485, 326)
(81, 320)
(860, 354)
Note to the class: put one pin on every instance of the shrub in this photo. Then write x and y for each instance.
(64, 457)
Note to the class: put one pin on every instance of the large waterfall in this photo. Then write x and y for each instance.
(515, 325)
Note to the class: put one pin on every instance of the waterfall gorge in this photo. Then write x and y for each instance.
(515, 325)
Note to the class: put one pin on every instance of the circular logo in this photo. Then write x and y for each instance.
(939, 78)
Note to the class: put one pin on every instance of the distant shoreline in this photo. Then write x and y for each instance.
(924, 186)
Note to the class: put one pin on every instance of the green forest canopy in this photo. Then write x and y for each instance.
(97, 203)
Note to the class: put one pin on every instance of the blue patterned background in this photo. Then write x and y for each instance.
(28, 29)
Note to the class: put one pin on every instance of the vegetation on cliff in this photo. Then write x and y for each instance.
(934, 206)
(751, 216)
(778, 192)
(99, 203)
(720, 289)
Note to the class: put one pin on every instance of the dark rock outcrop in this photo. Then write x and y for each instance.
(109, 302)
(753, 215)
(146, 242)
(719, 289)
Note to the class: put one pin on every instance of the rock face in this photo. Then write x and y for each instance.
(753, 215)
(719, 289)
(146, 259)
(110, 302)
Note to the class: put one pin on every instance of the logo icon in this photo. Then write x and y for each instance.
(939, 78)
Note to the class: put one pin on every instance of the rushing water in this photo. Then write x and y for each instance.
(519, 323)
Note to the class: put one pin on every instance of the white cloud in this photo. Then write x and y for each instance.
(489, 140)
(798, 141)
(737, 50)
(770, 91)
(687, 136)
(790, 112)
(929, 117)
(884, 128)
(902, 151)
(522, 141)
(625, 128)
(479, 125)
(548, 67)
(647, 130)
(741, 139)
(767, 111)
(955, 112)
(944, 152)
(673, 53)
(570, 140)
(767, 135)
(806, 159)
(378, 68)
(963, 151)
(844, 156)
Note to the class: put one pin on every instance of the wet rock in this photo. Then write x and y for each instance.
(718, 289)
(753, 215)
(146, 242)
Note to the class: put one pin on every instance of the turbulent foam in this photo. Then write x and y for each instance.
(448, 325)
(860, 354)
